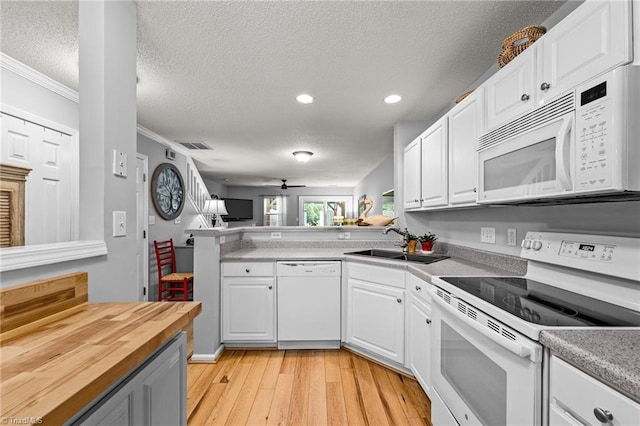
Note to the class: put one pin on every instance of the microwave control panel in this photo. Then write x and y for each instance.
(594, 156)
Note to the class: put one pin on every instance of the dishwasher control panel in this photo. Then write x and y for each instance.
(302, 268)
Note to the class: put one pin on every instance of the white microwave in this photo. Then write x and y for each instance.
(583, 146)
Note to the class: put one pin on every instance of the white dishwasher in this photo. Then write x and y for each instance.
(308, 304)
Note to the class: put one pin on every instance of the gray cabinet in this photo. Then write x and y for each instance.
(154, 393)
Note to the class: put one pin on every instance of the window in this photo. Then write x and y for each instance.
(324, 210)
(275, 211)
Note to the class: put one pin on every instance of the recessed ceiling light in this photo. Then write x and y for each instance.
(304, 98)
(302, 156)
(392, 99)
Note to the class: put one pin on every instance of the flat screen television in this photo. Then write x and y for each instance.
(239, 209)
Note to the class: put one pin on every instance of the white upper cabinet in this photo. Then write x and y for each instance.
(411, 169)
(595, 38)
(465, 127)
(511, 91)
(435, 168)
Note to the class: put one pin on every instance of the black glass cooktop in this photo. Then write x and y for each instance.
(546, 305)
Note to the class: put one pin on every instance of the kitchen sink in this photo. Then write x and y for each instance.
(394, 255)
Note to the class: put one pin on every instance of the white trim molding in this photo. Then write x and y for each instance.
(12, 258)
(17, 67)
(206, 358)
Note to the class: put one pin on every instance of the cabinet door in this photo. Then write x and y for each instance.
(419, 337)
(465, 124)
(435, 175)
(510, 92)
(595, 38)
(248, 309)
(376, 319)
(412, 175)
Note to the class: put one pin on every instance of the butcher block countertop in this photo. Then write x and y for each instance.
(52, 367)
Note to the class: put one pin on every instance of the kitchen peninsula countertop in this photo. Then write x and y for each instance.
(52, 372)
(451, 266)
(612, 356)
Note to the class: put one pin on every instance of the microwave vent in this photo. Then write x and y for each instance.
(529, 121)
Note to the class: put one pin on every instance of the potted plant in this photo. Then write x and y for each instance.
(412, 242)
(427, 241)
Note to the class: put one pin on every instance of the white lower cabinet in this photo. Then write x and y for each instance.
(248, 302)
(154, 393)
(419, 341)
(375, 311)
(576, 398)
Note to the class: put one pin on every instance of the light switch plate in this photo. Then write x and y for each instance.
(488, 235)
(119, 224)
(152, 220)
(119, 163)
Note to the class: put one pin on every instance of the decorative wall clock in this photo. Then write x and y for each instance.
(167, 191)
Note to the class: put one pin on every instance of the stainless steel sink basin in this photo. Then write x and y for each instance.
(394, 255)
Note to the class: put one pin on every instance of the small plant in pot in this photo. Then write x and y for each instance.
(427, 241)
(412, 242)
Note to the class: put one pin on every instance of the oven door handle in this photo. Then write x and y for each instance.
(518, 348)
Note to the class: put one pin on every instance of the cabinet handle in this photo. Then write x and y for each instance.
(399, 300)
(524, 97)
(428, 321)
(418, 288)
(247, 270)
(270, 287)
(603, 416)
(545, 86)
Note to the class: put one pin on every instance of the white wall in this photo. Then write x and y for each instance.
(375, 183)
(292, 197)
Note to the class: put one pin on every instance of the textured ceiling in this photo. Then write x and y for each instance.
(227, 73)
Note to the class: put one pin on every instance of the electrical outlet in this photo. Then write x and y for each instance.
(276, 235)
(223, 239)
(511, 237)
(347, 235)
(488, 235)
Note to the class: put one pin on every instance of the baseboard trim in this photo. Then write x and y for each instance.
(207, 358)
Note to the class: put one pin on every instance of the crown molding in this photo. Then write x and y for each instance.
(17, 67)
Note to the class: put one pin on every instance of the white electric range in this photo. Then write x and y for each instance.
(487, 362)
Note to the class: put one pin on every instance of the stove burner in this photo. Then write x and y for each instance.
(543, 304)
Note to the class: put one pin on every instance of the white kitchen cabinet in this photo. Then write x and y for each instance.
(375, 310)
(510, 91)
(576, 398)
(435, 168)
(411, 162)
(154, 393)
(419, 341)
(465, 127)
(595, 38)
(248, 302)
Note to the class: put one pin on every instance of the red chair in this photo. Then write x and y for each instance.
(174, 285)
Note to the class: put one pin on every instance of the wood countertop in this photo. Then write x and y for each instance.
(54, 370)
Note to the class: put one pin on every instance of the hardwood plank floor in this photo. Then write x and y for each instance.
(315, 387)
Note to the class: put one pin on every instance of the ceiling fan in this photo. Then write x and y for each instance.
(285, 186)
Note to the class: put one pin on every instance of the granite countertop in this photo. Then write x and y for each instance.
(612, 356)
(451, 266)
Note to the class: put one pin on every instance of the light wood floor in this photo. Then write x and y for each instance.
(323, 387)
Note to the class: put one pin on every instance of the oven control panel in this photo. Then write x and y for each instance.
(588, 251)
(610, 255)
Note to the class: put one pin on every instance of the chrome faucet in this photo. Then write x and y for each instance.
(396, 229)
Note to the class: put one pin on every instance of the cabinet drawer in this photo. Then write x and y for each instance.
(376, 274)
(418, 287)
(575, 395)
(247, 269)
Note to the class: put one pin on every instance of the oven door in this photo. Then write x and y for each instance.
(531, 165)
(481, 381)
